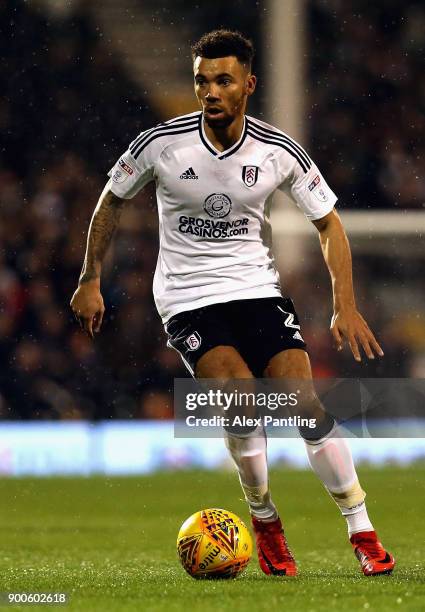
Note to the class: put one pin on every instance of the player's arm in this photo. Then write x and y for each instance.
(347, 323)
(87, 302)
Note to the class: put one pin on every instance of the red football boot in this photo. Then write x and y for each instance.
(273, 553)
(373, 557)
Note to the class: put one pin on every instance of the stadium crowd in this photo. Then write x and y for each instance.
(68, 109)
(367, 100)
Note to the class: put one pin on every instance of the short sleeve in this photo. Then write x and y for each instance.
(129, 175)
(309, 190)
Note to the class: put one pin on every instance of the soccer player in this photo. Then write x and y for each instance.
(216, 286)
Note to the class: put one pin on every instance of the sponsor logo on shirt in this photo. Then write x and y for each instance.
(317, 189)
(314, 183)
(208, 228)
(218, 205)
(125, 167)
(123, 171)
(189, 174)
(193, 341)
(250, 175)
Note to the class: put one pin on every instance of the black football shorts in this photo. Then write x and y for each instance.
(257, 328)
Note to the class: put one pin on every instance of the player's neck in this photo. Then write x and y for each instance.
(223, 138)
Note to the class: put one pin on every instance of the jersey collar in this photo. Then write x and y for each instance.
(221, 154)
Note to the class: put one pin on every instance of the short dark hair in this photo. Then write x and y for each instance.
(222, 43)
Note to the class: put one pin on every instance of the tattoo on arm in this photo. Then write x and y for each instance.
(102, 228)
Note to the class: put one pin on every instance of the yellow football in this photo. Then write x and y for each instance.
(214, 543)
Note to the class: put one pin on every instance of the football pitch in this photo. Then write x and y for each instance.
(109, 543)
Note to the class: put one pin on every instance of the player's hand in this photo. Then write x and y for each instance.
(349, 325)
(87, 306)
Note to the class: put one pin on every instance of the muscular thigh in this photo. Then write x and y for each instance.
(292, 363)
(222, 362)
(292, 368)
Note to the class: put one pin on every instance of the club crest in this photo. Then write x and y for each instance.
(250, 175)
(193, 341)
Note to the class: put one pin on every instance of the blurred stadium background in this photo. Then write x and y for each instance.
(79, 80)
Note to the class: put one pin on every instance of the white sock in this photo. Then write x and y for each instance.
(250, 456)
(357, 519)
(331, 459)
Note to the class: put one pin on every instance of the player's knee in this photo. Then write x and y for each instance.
(222, 362)
(316, 423)
(317, 427)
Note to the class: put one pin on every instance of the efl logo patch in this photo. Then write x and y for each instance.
(126, 167)
(314, 182)
(119, 176)
(250, 175)
(321, 195)
(193, 342)
(317, 189)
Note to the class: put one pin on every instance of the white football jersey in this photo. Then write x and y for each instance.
(213, 206)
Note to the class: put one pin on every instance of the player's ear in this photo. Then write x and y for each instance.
(250, 84)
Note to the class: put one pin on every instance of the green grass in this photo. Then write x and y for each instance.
(110, 543)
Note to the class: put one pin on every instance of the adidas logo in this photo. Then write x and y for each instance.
(297, 336)
(189, 174)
